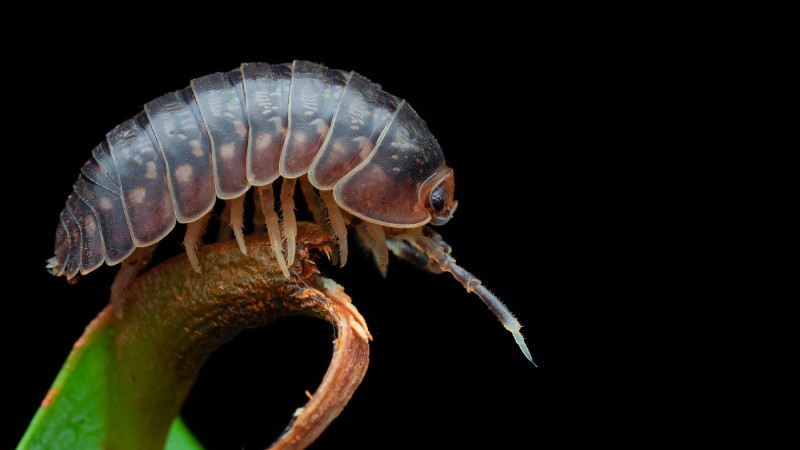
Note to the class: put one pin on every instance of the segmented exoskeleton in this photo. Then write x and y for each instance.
(363, 157)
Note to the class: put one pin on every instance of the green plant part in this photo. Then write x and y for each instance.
(126, 378)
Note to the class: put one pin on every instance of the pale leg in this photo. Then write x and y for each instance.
(289, 222)
(317, 210)
(266, 198)
(369, 242)
(237, 213)
(376, 231)
(339, 227)
(224, 234)
(193, 232)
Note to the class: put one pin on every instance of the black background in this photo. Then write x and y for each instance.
(613, 192)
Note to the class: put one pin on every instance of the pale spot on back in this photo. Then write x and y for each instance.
(362, 141)
(262, 141)
(338, 148)
(300, 137)
(105, 204)
(197, 149)
(241, 130)
(137, 195)
(402, 145)
(89, 224)
(215, 103)
(278, 124)
(138, 159)
(226, 151)
(151, 170)
(184, 173)
(322, 129)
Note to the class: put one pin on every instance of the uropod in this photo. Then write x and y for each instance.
(363, 158)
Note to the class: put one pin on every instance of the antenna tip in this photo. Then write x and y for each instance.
(521, 343)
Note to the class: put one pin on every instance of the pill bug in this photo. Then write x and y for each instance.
(363, 158)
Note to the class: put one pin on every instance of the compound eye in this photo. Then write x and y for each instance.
(438, 197)
(440, 203)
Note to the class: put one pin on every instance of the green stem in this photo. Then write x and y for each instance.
(136, 371)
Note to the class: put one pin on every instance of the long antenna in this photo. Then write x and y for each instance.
(472, 284)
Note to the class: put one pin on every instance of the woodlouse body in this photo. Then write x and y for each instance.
(229, 131)
(350, 144)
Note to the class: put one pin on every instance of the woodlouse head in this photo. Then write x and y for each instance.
(437, 196)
